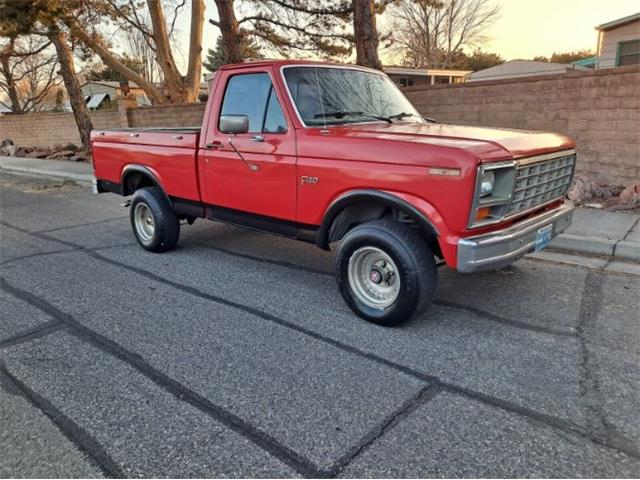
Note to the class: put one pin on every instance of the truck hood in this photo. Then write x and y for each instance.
(488, 144)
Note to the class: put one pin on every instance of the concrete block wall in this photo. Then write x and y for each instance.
(47, 129)
(599, 109)
(187, 115)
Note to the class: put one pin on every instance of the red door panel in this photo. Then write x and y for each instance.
(264, 183)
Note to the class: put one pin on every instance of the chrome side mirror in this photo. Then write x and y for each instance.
(234, 124)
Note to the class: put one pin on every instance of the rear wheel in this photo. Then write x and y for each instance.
(153, 220)
(386, 272)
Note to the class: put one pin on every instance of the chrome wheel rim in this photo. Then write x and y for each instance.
(144, 222)
(374, 277)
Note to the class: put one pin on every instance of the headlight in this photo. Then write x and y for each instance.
(494, 187)
(487, 182)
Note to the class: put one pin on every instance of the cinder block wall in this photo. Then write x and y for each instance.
(599, 109)
(188, 115)
(47, 129)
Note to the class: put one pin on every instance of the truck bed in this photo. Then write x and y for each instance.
(169, 153)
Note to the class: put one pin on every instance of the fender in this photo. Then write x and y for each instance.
(427, 216)
(144, 170)
(182, 206)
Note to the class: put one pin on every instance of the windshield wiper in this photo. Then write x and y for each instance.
(340, 114)
(401, 115)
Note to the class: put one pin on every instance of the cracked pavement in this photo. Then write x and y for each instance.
(235, 356)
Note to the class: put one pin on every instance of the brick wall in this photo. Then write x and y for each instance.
(188, 115)
(599, 109)
(47, 129)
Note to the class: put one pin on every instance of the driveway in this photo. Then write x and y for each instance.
(234, 356)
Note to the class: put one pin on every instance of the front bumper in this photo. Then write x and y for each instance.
(503, 247)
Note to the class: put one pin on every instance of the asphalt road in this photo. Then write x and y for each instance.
(234, 355)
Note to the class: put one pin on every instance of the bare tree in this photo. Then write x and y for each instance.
(286, 26)
(68, 72)
(178, 88)
(28, 72)
(428, 33)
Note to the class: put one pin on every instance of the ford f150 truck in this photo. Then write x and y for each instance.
(336, 155)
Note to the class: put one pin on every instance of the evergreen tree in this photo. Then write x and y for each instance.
(215, 57)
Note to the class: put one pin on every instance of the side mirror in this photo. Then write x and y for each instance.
(234, 124)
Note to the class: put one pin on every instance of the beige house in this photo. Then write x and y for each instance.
(416, 77)
(619, 42)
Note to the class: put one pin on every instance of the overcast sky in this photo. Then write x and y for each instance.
(525, 29)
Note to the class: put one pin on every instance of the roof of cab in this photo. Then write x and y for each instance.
(282, 62)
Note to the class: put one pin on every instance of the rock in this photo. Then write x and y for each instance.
(62, 154)
(70, 146)
(39, 153)
(80, 157)
(629, 195)
(23, 151)
(584, 188)
(7, 147)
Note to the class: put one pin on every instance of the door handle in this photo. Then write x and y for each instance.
(257, 138)
(214, 145)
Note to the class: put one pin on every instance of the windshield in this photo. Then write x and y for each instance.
(332, 96)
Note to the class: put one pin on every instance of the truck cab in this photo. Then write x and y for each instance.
(337, 156)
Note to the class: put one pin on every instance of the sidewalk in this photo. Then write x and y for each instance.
(80, 172)
(600, 232)
(593, 232)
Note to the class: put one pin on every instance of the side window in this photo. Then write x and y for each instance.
(274, 121)
(252, 94)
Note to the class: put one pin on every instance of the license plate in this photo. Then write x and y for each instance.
(543, 237)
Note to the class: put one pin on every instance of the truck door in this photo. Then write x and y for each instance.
(258, 178)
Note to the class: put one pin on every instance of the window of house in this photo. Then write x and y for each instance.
(252, 95)
(628, 53)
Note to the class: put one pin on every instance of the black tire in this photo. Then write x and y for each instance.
(413, 259)
(166, 230)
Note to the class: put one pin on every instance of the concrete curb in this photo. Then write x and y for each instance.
(38, 172)
(627, 249)
(622, 249)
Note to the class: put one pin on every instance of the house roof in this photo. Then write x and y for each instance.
(424, 72)
(96, 100)
(523, 68)
(619, 22)
(109, 83)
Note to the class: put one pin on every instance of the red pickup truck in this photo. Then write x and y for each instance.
(335, 154)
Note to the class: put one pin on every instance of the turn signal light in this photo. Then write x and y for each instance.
(482, 213)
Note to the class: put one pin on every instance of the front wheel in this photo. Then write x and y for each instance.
(153, 220)
(386, 272)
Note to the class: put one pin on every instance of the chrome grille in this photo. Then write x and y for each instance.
(541, 182)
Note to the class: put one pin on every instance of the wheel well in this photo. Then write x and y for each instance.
(135, 180)
(364, 211)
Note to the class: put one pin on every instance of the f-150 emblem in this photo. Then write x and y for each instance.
(306, 179)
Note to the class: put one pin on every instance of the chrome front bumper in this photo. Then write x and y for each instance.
(503, 247)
